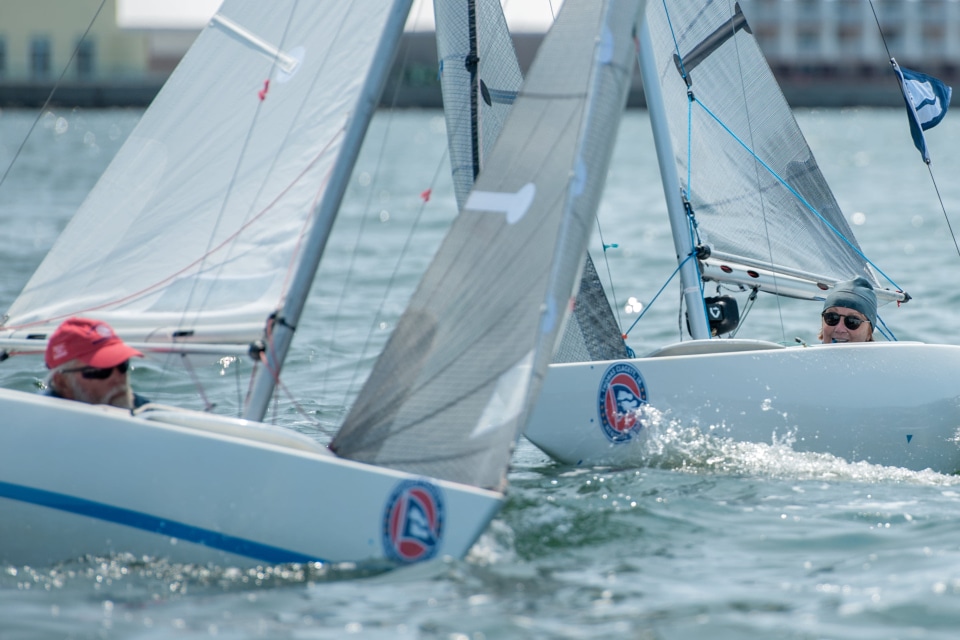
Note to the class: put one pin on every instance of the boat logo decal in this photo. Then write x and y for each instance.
(622, 392)
(413, 521)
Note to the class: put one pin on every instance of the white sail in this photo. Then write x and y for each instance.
(468, 356)
(751, 181)
(192, 231)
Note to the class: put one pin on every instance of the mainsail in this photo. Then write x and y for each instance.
(480, 78)
(475, 341)
(192, 231)
(746, 170)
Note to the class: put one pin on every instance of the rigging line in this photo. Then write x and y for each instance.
(654, 299)
(150, 288)
(885, 330)
(606, 262)
(361, 232)
(933, 179)
(53, 90)
(274, 64)
(188, 365)
(943, 208)
(797, 195)
(392, 280)
(676, 44)
(231, 184)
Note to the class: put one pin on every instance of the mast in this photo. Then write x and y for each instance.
(472, 64)
(699, 326)
(288, 316)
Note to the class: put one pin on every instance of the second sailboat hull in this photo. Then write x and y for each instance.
(893, 404)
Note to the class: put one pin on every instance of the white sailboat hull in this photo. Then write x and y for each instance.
(894, 404)
(77, 479)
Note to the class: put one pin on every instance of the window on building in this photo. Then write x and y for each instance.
(85, 58)
(849, 11)
(40, 57)
(808, 43)
(849, 40)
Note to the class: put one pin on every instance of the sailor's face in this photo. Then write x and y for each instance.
(840, 332)
(113, 390)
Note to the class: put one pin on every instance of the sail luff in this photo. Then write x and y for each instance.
(283, 326)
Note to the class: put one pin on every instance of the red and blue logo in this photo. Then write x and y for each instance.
(622, 392)
(413, 522)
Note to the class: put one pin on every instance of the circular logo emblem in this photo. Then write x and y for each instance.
(621, 393)
(413, 521)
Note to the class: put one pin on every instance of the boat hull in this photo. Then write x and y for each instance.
(80, 480)
(893, 404)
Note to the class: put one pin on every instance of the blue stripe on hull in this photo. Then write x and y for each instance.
(153, 524)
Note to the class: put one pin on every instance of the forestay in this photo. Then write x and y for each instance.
(464, 360)
(192, 230)
(754, 186)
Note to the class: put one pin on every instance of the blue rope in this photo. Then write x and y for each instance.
(650, 304)
(885, 330)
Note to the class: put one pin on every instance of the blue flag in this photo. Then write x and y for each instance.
(927, 100)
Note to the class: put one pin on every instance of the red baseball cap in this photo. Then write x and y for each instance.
(92, 342)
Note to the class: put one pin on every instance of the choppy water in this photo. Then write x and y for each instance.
(716, 540)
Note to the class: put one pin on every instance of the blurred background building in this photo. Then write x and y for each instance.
(825, 52)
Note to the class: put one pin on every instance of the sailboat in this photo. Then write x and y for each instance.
(235, 173)
(750, 211)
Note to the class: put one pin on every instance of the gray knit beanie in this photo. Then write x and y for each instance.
(855, 294)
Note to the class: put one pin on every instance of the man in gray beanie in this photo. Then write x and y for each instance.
(849, 312)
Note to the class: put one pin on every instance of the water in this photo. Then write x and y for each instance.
(717, 539)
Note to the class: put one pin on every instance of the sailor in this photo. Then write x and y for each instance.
(89, 363)
(849, 313)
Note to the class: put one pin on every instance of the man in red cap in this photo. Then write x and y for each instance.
(89, 363)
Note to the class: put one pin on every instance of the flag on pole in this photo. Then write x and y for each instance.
(927, 100)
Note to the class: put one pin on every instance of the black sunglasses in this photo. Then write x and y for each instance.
(852, 323)
(93, 373)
